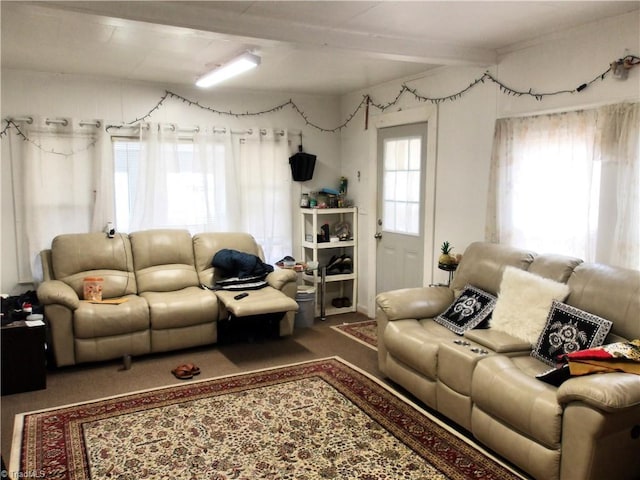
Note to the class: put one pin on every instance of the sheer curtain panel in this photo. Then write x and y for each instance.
(206, 180)
(264, 187)
(54, 180)
(568, 183)
(174, 179)
(619, 149)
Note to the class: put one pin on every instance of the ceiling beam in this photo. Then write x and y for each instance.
(235, 22)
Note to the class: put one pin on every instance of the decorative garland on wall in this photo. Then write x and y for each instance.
(624, 63)
(12, 124)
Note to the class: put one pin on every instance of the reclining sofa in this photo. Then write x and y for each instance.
(165, 279)
(485, 379)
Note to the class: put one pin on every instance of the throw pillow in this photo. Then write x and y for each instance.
(469, 310)
(569, 329)
(555, 376)
(524, 302)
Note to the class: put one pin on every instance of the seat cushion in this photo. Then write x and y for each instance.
(181, 308)
(506, 389)
(416, 343)
(93, 320)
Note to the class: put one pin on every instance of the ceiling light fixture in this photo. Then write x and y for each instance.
(238, 65)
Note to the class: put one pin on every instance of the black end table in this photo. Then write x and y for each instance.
(24, 366)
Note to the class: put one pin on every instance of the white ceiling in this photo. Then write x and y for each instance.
(322, 47)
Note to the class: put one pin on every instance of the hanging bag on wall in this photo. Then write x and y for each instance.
(302, 165)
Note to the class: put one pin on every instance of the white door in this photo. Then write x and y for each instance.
(400, 229)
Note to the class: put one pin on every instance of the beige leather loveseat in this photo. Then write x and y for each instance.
(161, 274)
(485, 380)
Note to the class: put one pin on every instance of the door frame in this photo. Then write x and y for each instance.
(428, 114)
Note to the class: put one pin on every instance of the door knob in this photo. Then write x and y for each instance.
(378, 235)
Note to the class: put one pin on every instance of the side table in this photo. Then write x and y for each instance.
(447, 268)
(24, 366)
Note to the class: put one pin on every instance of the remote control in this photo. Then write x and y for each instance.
(240, 296)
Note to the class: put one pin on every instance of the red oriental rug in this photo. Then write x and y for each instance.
(364, 332)
(322, 419)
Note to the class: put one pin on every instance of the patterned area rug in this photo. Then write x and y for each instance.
(316, 420)
(364, 332)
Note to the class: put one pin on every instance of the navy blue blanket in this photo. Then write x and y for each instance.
(240, 264)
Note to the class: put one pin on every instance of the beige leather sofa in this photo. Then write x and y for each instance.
(587, 428)
(160, 273)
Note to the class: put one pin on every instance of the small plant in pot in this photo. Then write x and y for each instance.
(446, 258)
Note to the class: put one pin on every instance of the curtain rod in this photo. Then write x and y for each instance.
(56, 121)
(96, 123)
(196, 129)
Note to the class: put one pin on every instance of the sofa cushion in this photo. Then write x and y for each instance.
(506, 389)
(416, 344)
(92, 320)
(556, 267)
(569, 329)
(524, 302)
(609, 292)
(75, 256)
(206, 245)
(470, 309)
(182, 308)
(483, 263)
(163, 260)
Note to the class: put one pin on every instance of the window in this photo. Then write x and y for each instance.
(184, 194)
(401, 190)
(568, 183)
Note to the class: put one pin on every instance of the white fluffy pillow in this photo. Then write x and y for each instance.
(524, 303)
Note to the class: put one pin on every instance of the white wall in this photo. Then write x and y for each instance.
(55, 95)
(465, 125)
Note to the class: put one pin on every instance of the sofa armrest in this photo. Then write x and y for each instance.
(607, 391)
(420, 302)
(279, 278)
(57, 292)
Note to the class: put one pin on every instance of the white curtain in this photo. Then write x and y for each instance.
(568, 183)
(182, 180)
(54, 179)
(619, 149)
(213, 155)
(264, 186)
(204, 181)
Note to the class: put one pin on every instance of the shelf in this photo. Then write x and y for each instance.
(326, 211)
(342, 277)
(325, 245)
(344, 283)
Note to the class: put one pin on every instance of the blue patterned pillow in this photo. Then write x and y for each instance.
(468, 311)
(569, 329)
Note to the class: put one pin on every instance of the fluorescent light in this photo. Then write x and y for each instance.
(238, 65)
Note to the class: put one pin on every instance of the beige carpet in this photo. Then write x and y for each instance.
(323, 419)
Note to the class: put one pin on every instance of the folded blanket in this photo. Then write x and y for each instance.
(614, 357)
